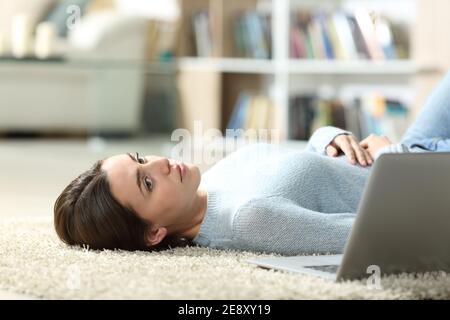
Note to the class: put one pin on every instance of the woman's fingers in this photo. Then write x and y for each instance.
(368, 156)
(360, 154)
(347, 148)
(331, 151)
(365, 143)
(354, 151)
(363, 154)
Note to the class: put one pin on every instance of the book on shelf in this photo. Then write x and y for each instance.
(385, 38)
(237, 118)
(201, 26)
(339, 34)
(318, 50)
(367, 27)
(344, 43)
(324, 35)
(251, 112)
(301, 115)
(252, 35)
(300, 37)
(357, 37)
(363, 115)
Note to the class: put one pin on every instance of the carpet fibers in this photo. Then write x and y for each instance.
(34, 262)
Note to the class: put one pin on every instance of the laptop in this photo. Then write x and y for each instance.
(402, 223)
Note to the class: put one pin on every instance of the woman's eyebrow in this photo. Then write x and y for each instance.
(138, 175)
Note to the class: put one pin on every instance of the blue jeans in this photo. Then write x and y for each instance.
(431, 130)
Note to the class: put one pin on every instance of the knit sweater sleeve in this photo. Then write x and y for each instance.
(322, 137)
(392, 148)
(276, 224)
(422, 145)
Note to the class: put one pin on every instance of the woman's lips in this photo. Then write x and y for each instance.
(181, 170)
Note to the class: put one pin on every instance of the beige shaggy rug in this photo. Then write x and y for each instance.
(34, 262)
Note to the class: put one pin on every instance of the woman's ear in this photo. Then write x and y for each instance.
(156, 235)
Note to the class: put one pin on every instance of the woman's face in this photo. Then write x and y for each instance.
(158, 189)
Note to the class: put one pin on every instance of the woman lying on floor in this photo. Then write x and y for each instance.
(259, 198)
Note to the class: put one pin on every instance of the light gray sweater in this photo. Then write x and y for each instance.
(268, 198)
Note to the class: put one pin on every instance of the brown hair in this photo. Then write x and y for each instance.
(87, 214)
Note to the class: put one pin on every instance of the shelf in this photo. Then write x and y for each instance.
(227, 65)
(64, 63)
(405, 67)
(293, 67)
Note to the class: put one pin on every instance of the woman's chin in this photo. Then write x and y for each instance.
(192, 168)
(193, 173)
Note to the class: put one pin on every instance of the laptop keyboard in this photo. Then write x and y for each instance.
(331, 268)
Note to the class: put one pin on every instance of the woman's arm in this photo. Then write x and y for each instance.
(434, 117)
(332, 141)
(276, 224)
(322, 137)
(392, 148)
(378, 145)
(423, 145)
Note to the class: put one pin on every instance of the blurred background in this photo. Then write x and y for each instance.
(82, 80)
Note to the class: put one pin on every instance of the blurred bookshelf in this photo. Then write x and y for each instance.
(259, 66)
(231, 49)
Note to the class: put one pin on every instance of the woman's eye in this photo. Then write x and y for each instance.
(148, 183)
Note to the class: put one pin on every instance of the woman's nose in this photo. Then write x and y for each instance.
(160, 164)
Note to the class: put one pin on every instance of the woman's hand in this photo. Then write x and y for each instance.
(373, 143)
(351, 148)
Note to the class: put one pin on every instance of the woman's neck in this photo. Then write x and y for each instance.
(199, 211)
